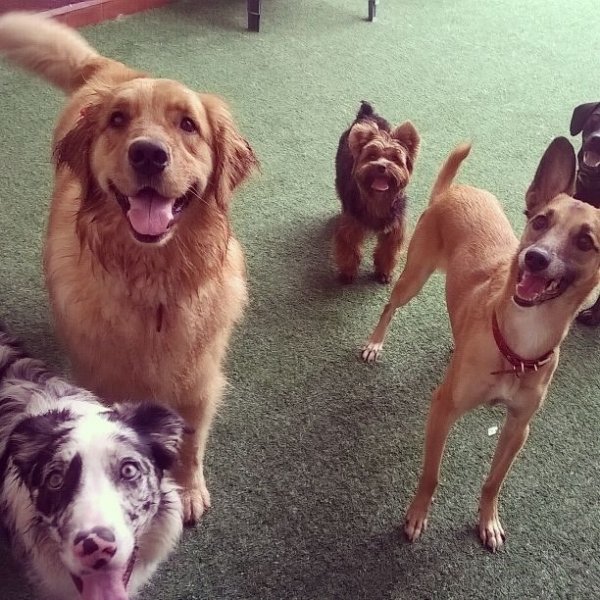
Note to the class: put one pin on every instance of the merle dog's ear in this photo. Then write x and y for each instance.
(555, 175)
(580, 115)
(409, 137)
(361, 134)
(160, 428)
(32, 443)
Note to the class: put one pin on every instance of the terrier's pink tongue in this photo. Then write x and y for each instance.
(107, 585)
(150, 214)
(380, 184)
(531, 286)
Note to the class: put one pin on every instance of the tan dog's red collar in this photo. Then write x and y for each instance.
(519, 365)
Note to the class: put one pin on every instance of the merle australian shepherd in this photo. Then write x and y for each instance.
(84, 497)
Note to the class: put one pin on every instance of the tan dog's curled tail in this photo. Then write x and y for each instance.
(449, 170)
(48, 48)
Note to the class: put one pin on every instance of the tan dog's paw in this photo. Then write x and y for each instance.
(415, 522)
(491, 531)
(371, 351)
(196, 501)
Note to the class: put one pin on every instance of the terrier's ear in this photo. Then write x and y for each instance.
(408, 136)
(580, 115)
(555, 175)
(361, 134)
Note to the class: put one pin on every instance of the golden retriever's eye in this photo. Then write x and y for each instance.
(117, 119)
(540, 223)
(188, 125)
(585, 242)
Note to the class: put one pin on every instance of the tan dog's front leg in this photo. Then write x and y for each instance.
(388, 248)
(442, 415)
(189, 473)
(513, 437)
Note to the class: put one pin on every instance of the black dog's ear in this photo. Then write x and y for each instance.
(160, 428)
(555, 175)
(580, 115)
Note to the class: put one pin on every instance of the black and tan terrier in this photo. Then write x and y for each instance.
(374, 164)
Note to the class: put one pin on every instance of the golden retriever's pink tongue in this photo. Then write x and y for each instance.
(107, 585)
(531, 286)
(150, 214)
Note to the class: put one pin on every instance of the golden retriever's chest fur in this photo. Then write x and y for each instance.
(135, 330)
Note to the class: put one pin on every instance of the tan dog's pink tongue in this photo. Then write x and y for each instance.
(106, 585)
(531, 286)
(150, 214)
(380, 184)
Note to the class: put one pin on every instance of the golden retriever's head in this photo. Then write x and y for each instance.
(155, 147)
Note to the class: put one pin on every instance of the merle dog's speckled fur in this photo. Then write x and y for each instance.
(69, 465)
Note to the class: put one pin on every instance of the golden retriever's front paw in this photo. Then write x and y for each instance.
(371, 351)
(491, 531)
(196, 501)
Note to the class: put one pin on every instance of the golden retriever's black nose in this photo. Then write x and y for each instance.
(148, 156)
(537, 259)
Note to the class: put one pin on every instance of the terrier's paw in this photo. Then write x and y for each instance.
(196, 501)
(383, 278)
(346, 278)
(415, 522)
(491, 531)
(371, 351)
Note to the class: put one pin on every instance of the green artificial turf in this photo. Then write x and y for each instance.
(314, 456)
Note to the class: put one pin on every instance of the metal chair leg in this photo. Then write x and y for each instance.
(373, 9)
(254, 7)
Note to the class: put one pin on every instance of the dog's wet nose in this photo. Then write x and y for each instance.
(537, 259)
(95, 548)
(381, 168)
(148, 156)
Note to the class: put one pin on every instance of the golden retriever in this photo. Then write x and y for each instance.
(145, 277)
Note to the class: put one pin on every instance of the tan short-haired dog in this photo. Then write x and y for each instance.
(510, 305)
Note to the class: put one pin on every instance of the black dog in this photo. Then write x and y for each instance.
(586, 120)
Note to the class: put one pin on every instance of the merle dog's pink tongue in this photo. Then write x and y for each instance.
(107, 585)
(150, 213)
(380, 184)
(531, 286)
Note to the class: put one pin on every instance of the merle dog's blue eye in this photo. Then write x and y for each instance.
(55, 480)
(129, 470)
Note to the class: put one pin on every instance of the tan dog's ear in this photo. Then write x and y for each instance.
(234, 157)
(74, 148)
(555, 175)
(409, 137)
(361, 134)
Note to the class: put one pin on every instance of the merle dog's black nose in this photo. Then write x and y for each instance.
(148, 156)
(537, 259)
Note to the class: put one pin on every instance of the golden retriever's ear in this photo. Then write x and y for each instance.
(74, 148)
(361, 134)
(407, 135)
(234, 157)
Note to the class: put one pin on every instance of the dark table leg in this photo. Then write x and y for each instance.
(373, 9)
(254, 15)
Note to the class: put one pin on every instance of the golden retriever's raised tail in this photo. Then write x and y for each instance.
(49, 49)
